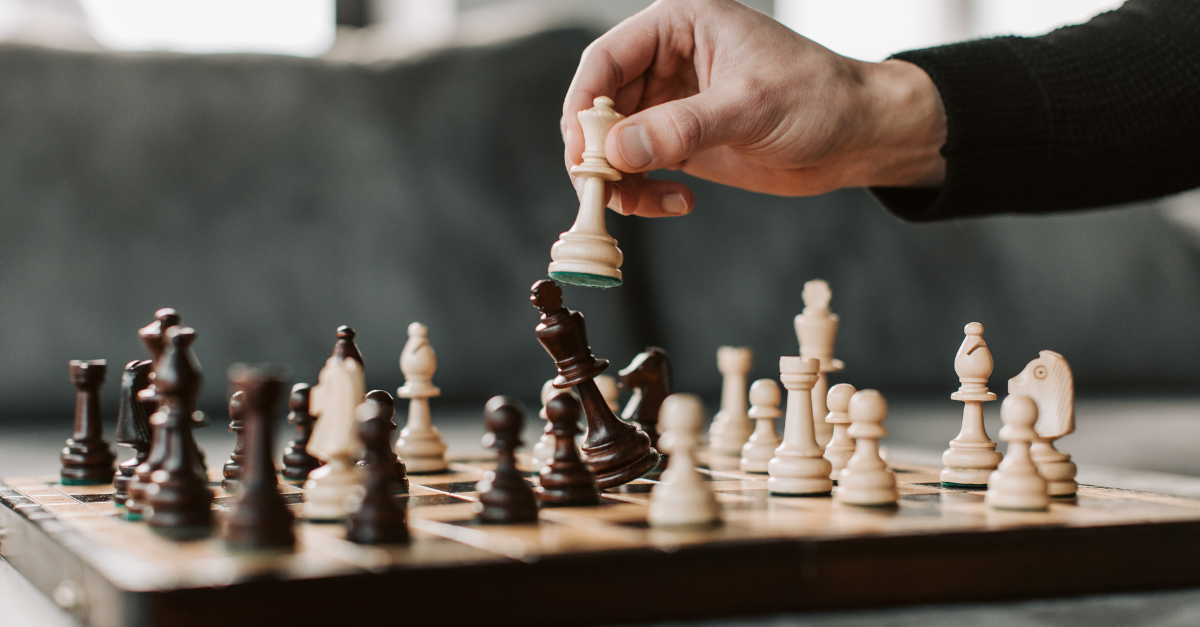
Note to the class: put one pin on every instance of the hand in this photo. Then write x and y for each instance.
(729, 95)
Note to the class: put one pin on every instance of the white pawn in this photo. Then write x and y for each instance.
(816, 328)
(608, 390)
(731, 426)
(799, 467)
(420, 445)
(841, 445)
(339, 390)
(866, 479)
(764, 408)
(682, 496)
(1016, 484)
(972, 455)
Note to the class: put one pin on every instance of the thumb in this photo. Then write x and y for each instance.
(667, 134)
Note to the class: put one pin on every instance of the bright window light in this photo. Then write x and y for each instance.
(1034, 17)
(303, 28)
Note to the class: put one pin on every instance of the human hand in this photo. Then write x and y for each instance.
(727, 94)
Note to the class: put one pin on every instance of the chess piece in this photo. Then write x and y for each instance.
(866, 479)
(260, 518)
(135, 502)
(1016, 484)
(232, 470)
(543, 450)
(345, 348)
(972, 455)
(133, 425)
(609, 391)
(799, 467)
(764, 409)
(297, 463)
(382, 403)
(586, 254)
(87, 459)
(334, 439)
(616, 451)
(816, 328)
(841, 445)
(565, 479)
(731, 426)
(504, 496)
(378, 519)
(649, 377)
(1049, 382)
(154, 336)
(179, 503)
(420, 445)
(683, 496)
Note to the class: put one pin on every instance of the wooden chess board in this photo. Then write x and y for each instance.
(599, 564)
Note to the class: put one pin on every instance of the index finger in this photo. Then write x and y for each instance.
(609, 63)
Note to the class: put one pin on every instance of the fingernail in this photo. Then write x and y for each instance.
(615, 203)
(634, 145)
(674, 204)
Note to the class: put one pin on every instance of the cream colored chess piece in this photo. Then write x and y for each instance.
(586, 254)
(610, 392)
(799, 467)
(816, 328)
(764, 409)
(841, 445)
(731, 426)
(420, 445)
(1049, 382)
(682, 496)
(339, 390)
(866, 479)
(972, 455)
(1016, 484)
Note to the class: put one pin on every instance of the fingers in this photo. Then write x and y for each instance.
(615, 60)
(650, 198)
(671, 133)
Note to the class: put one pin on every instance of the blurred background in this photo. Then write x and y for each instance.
(276, 168)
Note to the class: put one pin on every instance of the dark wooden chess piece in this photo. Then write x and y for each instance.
(232, 470)
(297, 462)
(387, 405)
(345, 348)
(260, 518)
(617, 451)
(133, 425)
(566, 480)
(179, 504)
(504, 496)
(154, 336)
(379, 519)
(87, 459)
(649, 377)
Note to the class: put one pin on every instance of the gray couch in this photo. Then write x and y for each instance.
(271, 199)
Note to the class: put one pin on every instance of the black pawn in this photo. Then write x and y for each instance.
(345, 348)
(179, 505)
(388, 404)
(378, 519)
(133, 425)
(232, 471)
(297, 462)
(87, 459)
(566, 480)
(261, 518)
(504, 496)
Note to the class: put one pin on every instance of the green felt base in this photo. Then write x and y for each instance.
(586, 280)
(132, 516)
(66, 481)
(803, 495)
(947, 484)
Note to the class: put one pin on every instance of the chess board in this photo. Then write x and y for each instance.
(599, 564)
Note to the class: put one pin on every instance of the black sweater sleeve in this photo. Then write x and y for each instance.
(1096, 114)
